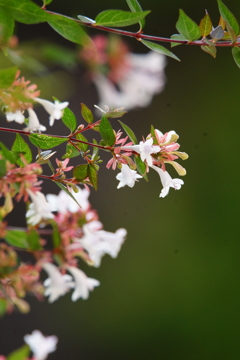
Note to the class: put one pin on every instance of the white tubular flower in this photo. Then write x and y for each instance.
(64, 203)
(83, 284)
(55, 109)
(167, 181)
(39, 209)
(40, 345)
(57, 284)
(145, 149)
(113, 241)
(16, 116)
(127, 177)
(33, 122)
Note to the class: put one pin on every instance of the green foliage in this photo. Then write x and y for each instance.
(33, 240)
(7, 77)
(80, 172)
(177, 37)
(141, 167)
(107, 132)
(71, 151)
(25, 11)
(45, 141)
(86, 113)
(20, 354)
(95, 150)
(69, 29)
(210, 50)
(136, 7)
(205, 25)
(69, 119)
(3, 168)
(217, 33)
(3, 306)
(236, 55)
(56, 238)
(46, 2)
(82, 146)
(21, 146)
(230, 20)
(17, 238)
(187, 27)
(92, 173)
(9, 155)
(115, 114)
(6, 26)
(119, 18)
(160, 49)
(129, 132)
(86, 19)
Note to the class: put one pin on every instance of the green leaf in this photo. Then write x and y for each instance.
(21, 146)
(66, 191)
(45, 141)
(69, 119)
(129, 132)
(86, 19)
(80, 172)
(187, 27)
(9, 155)
(3, 168)
(114, 114)
(7, 77)
(160, 49)
(71, 152)
(106, 132)
(56, 238)
(177, 37)
(119, 18)
(25, 11)
(236, 55)
(47, 2)
(69, 29)
(92, 173)
(6, 26)
(17, 238)
(205, 25)
(20, 354)
(3, 306)
(228, 17)
(33, 240)
(82, 146)
(210, 50)
(136, 7)
(141, 167)
(217, 33)
(86, 113)
(95, 150)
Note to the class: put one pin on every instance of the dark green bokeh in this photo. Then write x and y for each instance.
(173, 293)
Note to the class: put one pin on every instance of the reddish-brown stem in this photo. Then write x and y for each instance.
(139, 36)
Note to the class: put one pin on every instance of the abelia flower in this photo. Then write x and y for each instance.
(113, 241)
(41, 345)
(127, 177)
(39, 209)
(57, 284)
(82, 284)
(15, 116)
(167, 181)
(33, 122)
(55, 109)
(145, 149)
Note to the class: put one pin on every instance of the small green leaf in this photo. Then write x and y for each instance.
(80, 172)
(33, 240)
(45, 141)
(86, 19)
(187, 27)
(129, 133)
(95, 150)
(3, 306)
(205, 25)
(210, 50)
(17, 238)
(66, 191)
(92, 173)
(236, 55)
(119, 18)
(228, 17)
(25, 11)
(136, 7)
(56, 238)
(217, 33)
(9, 155)
(6, 26)
(3, 168)
(21, 146)
(141, 167)
(160, 49)
(20, 354)
(71, 152)
(86, 113)
(46, 2)
(69, 29)
(69, 119)
(106, 132)
(7, 77)
(114, 114)
(177, 37)
(82, 146)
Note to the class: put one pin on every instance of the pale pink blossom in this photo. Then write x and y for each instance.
(127, 176)
(55, 109)
(33, 122)
(15, 116)
(41, 345)
(64, 203)
(39, 209)
(145, 149)
(82, 284)
(167, 181)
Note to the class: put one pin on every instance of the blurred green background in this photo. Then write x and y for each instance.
(173, 293)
